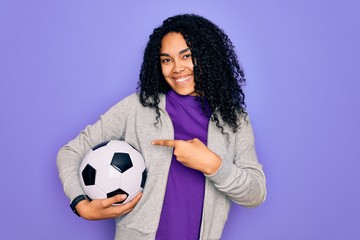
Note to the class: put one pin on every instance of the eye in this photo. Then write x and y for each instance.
(187, 56)
(165, 60)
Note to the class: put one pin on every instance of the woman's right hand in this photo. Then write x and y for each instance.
(103, 208)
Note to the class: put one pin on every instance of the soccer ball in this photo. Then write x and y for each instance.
(113, 168)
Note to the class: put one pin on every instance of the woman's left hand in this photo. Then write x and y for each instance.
(193, 154)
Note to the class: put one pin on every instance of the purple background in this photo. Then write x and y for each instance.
(63, 63)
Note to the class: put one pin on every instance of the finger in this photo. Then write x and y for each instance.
(118, 210)
(135, 200)
(127, 207)
(167, 143)
(193, 140)
(115, 199)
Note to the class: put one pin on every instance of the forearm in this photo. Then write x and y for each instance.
(245, 186)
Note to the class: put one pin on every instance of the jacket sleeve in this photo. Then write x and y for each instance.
(110, 125)
(242, 180)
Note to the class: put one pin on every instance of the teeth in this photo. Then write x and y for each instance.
(182, 79)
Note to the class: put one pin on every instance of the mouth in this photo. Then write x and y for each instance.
(182, 80)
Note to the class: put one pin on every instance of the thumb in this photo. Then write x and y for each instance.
(193, 140)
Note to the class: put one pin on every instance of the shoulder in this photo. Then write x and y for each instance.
(123, 106)
(130, 100)
(244, 119)
(135, 98)
(244, 128)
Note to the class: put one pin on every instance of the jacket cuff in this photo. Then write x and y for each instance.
(225, 172)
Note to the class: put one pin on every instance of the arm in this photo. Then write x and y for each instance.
(243, 181)
(111, 125)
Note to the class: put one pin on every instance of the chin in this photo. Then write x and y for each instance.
(185, 93)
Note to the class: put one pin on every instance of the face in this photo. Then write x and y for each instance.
(176, 64)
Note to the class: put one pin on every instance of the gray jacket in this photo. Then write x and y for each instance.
(240, 177)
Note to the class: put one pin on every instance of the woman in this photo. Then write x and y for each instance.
(188, 120)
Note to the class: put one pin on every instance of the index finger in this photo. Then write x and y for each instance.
(167, 143)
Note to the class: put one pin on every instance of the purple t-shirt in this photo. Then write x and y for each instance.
(182, 209)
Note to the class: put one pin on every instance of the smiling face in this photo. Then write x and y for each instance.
(176, 64)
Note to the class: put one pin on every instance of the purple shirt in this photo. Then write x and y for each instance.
(182, 209)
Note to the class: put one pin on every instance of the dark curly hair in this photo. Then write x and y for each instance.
(217, 73)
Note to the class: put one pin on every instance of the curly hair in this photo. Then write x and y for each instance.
(218, 75)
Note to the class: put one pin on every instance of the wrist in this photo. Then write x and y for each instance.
(213, 166)
(79, 200)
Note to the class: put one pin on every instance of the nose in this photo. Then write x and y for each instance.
(178, 67)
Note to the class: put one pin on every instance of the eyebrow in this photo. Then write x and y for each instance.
(181, 52)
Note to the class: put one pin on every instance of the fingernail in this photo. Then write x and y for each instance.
(123, 196)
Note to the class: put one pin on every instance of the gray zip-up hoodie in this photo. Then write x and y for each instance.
(240, 177)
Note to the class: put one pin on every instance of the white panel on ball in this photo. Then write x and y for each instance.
(101, 157)
(95, 193)
(129, 186)
(108, 178)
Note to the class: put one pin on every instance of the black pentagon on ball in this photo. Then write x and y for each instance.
(117, 191)
(100, 145)
(88, 175)
(121, 161)
(143, 180)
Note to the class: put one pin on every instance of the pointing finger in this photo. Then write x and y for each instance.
(167, 143)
